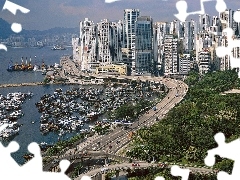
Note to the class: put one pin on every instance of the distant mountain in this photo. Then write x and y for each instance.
(5, 29)
(52, 31)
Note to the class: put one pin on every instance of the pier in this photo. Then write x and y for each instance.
(21, 84)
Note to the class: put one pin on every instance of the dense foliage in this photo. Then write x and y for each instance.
(187, 132)
(61, 145)
(132, 111)
(151, 173)
(77, 170)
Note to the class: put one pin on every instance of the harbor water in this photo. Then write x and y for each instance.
(30, 129)
(29, 132)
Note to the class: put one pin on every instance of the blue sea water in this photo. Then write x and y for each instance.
(30, 132)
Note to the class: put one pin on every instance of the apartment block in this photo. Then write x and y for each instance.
(204, 61)
(204, 22)
(76, 50)
(184, 64)
(130, 16)
(88, 45)
(170, 55)
(190, 31)
(227, 21)
(109, 45)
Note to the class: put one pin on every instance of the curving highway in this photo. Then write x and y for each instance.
(142, 165)
(119, 138)
(112, 142)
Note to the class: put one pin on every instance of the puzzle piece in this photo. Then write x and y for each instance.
(12, 7)
(31, 170)
(85, 178)
(111, 1)
(222, 51)
(64, 164)
(35, 162)
(182, 8)
(159, 178)
(8, 162)
(225, 150)
(177, 171)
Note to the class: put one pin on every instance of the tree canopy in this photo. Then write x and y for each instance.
(187, 132)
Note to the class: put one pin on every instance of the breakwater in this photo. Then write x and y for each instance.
(21, 84)
(95, 80)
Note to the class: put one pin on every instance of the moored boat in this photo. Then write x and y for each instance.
(21, 67)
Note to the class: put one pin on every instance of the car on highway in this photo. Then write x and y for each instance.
(55, 161)
(162, 165)
(103, 170)
(94, 148)
(135, 164)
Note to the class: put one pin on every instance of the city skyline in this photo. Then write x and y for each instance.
(70, 12)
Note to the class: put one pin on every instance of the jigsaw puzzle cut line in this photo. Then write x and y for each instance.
(181, 6)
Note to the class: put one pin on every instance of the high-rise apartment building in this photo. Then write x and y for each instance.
(88, 45)
(227, 21)
(176, 28)
(109, 45)
(204, 22)
(190, 31)
(204, 61)
(184, 64)
(76, 50)
(238, 25)
(144, 45)
(130, 16)
(159, 31)
(215, 27)
(170, 55)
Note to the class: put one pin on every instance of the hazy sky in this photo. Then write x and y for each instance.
(45, 14)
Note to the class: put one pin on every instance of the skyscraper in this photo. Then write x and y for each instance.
(189, 34)
(108, 36)
(204, 22)
(88, 45)
(144, 45)
(130, 16)
(227, 21)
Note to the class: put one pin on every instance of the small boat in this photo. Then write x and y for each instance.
(44, 72)
(57, 47)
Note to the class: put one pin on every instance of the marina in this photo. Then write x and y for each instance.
(30, 123)
(28, 81)
(68, 111)
(10, 112)
(87, 105)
